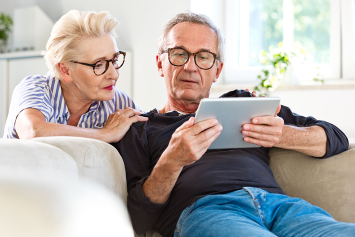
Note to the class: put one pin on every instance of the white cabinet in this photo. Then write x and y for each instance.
(14, 67)
(3, 94)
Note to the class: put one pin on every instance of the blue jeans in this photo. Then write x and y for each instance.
(255, 212)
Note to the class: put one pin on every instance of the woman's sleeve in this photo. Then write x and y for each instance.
(32, 92)
(122, 100)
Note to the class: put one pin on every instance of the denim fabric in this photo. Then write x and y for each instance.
(255, 212)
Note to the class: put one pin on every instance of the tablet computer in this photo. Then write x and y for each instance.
(232, 113)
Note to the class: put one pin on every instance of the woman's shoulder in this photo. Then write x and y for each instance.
(34, 82)
(123, 100)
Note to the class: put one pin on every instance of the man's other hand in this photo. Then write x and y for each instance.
(264, 131)
(190, 141)
(255, 93)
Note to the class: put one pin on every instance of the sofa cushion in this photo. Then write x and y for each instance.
(327, 183)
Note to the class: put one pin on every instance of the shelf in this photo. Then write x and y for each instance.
(22, 54)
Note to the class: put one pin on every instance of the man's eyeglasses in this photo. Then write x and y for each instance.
(101, 66)
(203, 59)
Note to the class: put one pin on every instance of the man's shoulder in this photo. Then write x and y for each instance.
(237, 93)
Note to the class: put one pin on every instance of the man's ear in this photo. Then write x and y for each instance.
(64, 72)
(159, 63)
(218, 71)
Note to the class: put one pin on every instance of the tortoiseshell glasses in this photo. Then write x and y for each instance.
(101, 66)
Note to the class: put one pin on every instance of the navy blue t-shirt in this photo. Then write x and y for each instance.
(217, 172)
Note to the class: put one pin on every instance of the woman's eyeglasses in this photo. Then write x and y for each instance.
(101, 66)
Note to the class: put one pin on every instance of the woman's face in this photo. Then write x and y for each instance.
(88, 85)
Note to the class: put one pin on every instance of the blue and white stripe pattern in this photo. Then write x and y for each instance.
(45, 94)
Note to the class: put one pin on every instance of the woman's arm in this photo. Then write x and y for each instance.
(32, 123)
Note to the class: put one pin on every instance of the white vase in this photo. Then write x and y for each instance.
(289, 78)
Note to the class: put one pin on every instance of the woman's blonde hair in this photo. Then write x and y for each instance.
(69, 30)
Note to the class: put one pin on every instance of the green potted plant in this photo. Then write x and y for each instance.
(5, 29)
(280, 58)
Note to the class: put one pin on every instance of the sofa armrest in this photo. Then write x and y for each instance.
(38, 158)
(96, 160)
(327, 183)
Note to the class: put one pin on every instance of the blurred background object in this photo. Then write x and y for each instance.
(5, 29)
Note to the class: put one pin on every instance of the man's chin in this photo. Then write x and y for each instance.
(189, 96)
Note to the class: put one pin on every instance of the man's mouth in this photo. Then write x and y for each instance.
(189, 81)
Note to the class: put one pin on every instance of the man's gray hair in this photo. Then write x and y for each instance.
(196, 19)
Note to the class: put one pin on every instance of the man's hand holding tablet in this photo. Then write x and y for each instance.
(265, 131)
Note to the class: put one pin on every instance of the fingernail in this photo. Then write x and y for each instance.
(246, 127)
(255, 121)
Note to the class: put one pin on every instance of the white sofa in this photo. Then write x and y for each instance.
(326, 183)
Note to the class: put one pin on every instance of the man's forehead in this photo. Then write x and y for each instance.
(192, 36)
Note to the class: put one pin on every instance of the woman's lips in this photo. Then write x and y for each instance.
(109, 87)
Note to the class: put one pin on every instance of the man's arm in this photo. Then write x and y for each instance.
(187, 145)
(149, 187)
(270, 131)
(304, 134)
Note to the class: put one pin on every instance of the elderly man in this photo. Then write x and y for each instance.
(180, 188)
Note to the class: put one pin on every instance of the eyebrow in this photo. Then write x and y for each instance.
(196, 51)
(104, 58)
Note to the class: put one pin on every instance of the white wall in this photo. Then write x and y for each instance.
(332, 105)
(141, 22)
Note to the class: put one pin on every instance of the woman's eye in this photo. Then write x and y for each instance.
(98, 65)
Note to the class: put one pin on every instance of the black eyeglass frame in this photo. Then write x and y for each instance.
(189, 55)
(107, 63)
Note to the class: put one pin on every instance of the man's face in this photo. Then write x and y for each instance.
(189, 83)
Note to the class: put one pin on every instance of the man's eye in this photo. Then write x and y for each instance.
(179, 55)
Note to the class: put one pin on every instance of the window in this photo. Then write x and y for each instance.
(251, 26)
(348, 38)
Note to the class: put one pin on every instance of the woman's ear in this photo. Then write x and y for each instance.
(64, 72)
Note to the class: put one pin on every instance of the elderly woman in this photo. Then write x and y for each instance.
(78, 96)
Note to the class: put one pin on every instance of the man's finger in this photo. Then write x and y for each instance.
(189, 123)
(258, 142)
(278, 109)
(208, 133)
(267, 120)
(206, 143)
(203, 125)
(265, 129)
(261, 136)
(255, 93)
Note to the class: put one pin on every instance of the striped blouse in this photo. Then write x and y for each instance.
(45, 94)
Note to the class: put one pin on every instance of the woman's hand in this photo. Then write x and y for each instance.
(119, 122)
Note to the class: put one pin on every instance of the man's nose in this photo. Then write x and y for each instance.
(190, 65)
